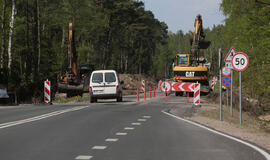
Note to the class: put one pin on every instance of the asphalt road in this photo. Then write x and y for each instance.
(109, 130)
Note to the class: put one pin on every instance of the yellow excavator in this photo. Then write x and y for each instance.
(75, 80)
(191, 67)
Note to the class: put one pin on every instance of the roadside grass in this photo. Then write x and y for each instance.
(72, 99)
(252, 123)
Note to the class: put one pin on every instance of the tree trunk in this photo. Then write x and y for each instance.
(38, 28)
(107, 45)
(3, 46)
(11, 25)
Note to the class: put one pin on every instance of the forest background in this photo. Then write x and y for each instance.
(122, 35)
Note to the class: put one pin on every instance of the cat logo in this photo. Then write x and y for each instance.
(190, 74)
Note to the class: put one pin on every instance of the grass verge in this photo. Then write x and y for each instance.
(72, 99)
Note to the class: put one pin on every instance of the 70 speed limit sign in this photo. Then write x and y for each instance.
(240, 61)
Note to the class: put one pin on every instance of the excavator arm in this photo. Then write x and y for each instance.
(198, 41)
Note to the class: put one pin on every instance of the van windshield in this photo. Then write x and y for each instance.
(110, 77)
(97, 78)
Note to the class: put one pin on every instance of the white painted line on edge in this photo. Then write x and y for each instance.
(83, 157)
(136, 124)
(43, 116)
(146, 116)
(264, 153)
(99, 147)
(128, 128)
(141, 120)
(121, 134)
(111, 139)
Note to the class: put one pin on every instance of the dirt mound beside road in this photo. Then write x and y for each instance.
(133, 81)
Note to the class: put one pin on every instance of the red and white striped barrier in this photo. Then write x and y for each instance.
(188, 87)
(196, 99)
(143, 85)
(47, 91)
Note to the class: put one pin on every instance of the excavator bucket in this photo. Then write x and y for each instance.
(203, 44)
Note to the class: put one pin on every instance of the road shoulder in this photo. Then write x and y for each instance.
(202, 115)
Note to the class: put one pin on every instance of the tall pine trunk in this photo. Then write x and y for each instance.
(3, 46)
(11, 25)
(38, 30)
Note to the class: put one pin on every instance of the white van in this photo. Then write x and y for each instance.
(104, 84)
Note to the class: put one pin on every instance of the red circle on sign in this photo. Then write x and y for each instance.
(226, 73)
(168, 90)
(240, 53)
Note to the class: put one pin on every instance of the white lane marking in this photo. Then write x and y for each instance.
(83, 157)
(146, 116)
(99, 147)
(43, 116)
(136, 124)
(141, 120)
(128, 128)
(264, 153)
(111, 139)
(120, 134)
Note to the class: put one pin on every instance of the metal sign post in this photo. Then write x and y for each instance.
(220, 87)
(240, 62)
(240, 97)
(227, 90)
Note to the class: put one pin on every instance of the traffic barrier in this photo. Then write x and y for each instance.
(150, 95)
(196, 99)
(47, 91)
(138, 97)
(188, 87)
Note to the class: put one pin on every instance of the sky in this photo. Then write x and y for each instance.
(181, 14)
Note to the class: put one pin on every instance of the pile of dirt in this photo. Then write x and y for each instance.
(133, 81)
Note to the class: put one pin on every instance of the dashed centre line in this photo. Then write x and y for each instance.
(111, 139)
(99, 147)
(129, 128)
(121, 134)
(83, 157)
(141, 120)
(136, 124)
(146, 116)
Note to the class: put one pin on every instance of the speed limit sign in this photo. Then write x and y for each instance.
(240, 61)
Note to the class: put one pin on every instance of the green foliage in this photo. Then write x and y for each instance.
(110, 34)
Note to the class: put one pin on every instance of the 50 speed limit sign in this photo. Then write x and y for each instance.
(240, 61)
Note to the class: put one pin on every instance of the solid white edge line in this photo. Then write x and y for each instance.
(264, 153)
(40, 117)
(83, 157)
(111, 139)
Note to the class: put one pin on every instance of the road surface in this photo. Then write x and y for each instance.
(108, 130)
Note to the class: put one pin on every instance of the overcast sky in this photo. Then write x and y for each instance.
(181, 14)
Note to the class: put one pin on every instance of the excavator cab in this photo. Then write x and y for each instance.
(182, 60)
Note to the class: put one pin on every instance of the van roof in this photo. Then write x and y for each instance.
(96, 71)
